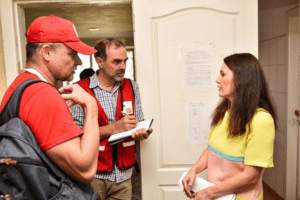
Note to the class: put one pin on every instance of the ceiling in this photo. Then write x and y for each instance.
(269, 4)
(111, 19)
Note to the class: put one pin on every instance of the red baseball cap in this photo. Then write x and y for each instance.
(55, 29)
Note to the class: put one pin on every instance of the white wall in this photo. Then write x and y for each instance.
(273, 58)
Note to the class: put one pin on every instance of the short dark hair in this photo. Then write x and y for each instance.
(251, 92)
(32, 48)
(104, 44)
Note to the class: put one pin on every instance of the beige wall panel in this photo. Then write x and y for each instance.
(2, 68)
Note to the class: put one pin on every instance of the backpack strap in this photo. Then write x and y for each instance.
(11, 110)
(12, 107)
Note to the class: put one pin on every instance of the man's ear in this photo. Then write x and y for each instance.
(100, 62)
(46, 52)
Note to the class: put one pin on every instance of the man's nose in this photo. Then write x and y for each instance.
(123, 65)
(77, 60)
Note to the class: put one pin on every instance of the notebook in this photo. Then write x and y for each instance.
(201, 184)
(118, 137)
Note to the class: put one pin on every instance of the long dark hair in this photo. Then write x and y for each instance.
(251, 92)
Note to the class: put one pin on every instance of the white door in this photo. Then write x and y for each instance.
(294, 56)
(292, 188)
(293, 139)
(165, 32)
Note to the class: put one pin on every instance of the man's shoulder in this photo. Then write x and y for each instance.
(21, 78)
(35, 90)
(132, 82)
(18, 80)
(34, 87)
(41, 94)
(84, 83)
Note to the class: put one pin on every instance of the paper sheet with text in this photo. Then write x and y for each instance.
(197, 69)
(198, 121)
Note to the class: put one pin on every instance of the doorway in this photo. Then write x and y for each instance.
(93, 22)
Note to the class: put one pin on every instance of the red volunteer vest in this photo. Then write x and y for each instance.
(126, 149)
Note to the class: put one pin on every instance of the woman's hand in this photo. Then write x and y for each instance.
(188, 182)
(202, 195)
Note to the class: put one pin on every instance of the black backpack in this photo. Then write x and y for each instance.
(34, 176)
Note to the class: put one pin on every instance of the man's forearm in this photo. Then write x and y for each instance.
(78, 156)
(107, 130)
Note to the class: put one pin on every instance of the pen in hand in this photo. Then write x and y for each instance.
(124, 113)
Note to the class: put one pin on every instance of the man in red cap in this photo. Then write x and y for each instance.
(52, 46)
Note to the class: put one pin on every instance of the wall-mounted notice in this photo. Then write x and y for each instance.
(197, 122)
(197, 68)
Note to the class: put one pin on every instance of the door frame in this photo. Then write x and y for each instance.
(13, 29)
(292, 127)
(10, 42)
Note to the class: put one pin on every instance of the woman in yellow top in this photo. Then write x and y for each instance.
(241, 140)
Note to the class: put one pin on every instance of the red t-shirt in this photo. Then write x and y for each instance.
(45, 112)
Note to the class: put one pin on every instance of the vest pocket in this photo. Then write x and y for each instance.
(101, 148)
(128, 144)
(105, 157)
(126, 154)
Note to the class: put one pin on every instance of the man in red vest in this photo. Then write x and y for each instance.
(115, 95)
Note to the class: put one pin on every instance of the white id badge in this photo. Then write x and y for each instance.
(127, 107)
